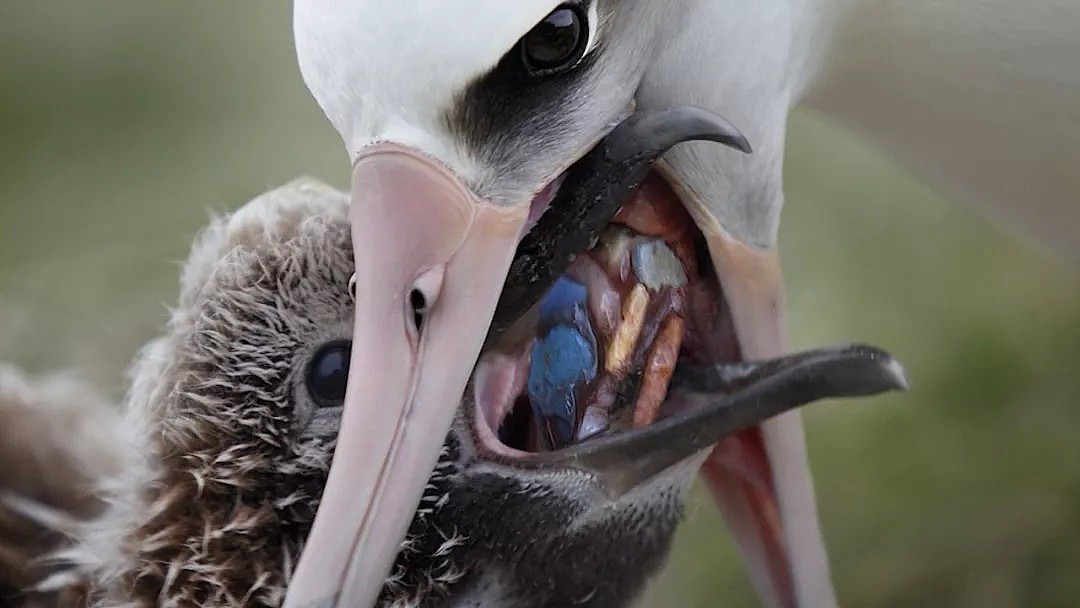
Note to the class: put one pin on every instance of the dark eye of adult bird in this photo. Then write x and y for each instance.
(328, 373)
(557, 42)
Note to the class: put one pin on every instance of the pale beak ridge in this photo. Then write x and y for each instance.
(774, 521)
(431, 259)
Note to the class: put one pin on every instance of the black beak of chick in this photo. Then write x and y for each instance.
(715, 401)
(724, 399)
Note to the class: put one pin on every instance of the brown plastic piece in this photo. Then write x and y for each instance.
(656, 375)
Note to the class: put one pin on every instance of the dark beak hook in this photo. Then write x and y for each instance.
(594, 190)
(731, 398)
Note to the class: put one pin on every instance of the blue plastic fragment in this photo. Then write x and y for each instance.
(565, 302)
(563, 360)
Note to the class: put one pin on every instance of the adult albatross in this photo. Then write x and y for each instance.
(203, 491)
(466, 121)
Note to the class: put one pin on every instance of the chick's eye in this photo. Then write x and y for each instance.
(557, 42)
(328, 372)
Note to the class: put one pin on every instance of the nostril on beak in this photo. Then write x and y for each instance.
(419, 308)
(425, 291)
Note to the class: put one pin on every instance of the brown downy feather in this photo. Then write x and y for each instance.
(54, 447)
(220, 454)
(225, 455)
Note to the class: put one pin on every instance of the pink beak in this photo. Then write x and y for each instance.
(431, 259)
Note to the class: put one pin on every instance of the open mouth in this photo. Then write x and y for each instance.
(596, 355)
(614, 350)
(610, 349)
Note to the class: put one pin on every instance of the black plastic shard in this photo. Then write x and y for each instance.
(595, 188)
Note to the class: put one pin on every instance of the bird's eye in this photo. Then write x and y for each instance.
(328, 372)
(557, 42)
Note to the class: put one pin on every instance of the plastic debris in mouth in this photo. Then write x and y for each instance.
(563, 361)
(594, 354)
(597, 352)
(643, 348)
(656, 266)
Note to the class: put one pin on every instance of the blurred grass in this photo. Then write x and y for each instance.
(122, 122)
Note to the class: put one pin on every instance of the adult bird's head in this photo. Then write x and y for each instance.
(464, 123)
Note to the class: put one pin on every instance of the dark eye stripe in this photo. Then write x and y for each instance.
(508, 116)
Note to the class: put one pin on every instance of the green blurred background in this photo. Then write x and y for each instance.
(122, 122)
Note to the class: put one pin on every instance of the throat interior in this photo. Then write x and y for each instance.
(595, 355)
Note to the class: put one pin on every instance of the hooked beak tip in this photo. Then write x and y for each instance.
(887, 371)
(897, 374)
(742, 144)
